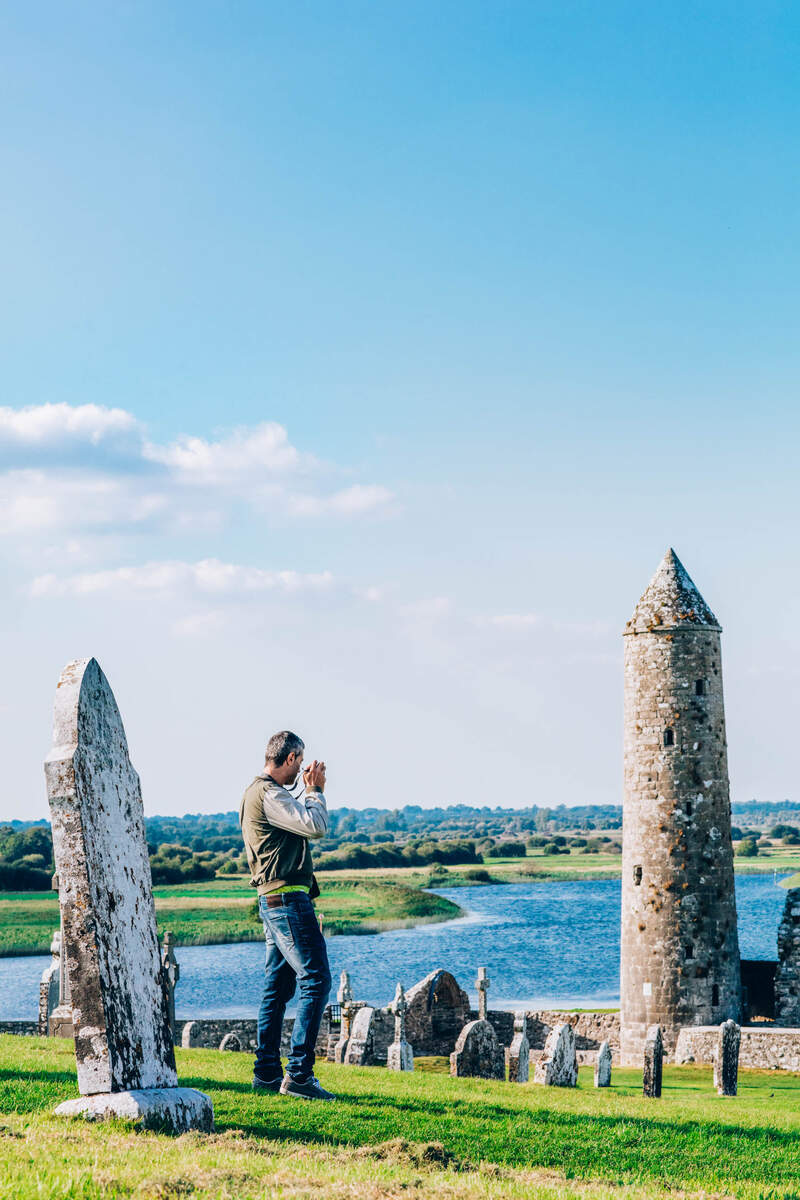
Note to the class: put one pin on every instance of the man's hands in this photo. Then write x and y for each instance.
(314, 775)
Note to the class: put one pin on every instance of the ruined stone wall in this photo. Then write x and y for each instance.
(787, 976)
(679, 951)
(207, 1033)
(591, 1029)
(762, 1048)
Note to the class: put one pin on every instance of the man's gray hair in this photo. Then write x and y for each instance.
(281, 745)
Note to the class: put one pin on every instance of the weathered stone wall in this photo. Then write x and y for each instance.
(679, 951)
(20, 1028)
(591, 1029)
(787, 976)
(764, 1048)
(208, 1033)
(438, 1009)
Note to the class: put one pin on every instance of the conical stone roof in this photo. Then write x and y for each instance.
(670, 600)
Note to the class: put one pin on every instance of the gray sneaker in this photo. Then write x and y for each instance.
(309, 1089)
(267, 1085)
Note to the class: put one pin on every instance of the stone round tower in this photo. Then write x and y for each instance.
(679, 962)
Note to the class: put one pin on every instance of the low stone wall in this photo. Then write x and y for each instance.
(763, 1047)
(208, 1033)
(21, 1028)
(591, 1029)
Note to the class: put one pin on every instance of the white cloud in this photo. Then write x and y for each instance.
(208, 576)
(88, 467)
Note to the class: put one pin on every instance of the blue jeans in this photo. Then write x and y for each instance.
(296, 954)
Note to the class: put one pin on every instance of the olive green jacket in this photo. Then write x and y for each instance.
(276, 829)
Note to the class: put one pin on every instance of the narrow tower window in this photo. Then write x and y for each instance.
(715, 995)
(700, 687)
(688, 808)
(689, 950)
(637, 875)
(669, 737)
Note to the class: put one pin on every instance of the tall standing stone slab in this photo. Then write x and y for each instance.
(518, 1055)
(170, 975)
(726, 1059)
(679, 951)
(602, 1066)
(478, 1052)
(653, 1062)
(124, 1052)
(559, 1063)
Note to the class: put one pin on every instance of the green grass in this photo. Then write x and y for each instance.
(392, 1135)
(223, 910)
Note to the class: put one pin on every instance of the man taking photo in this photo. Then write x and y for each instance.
(276, 828)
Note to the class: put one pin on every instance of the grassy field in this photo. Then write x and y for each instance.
(223, 910)
(417, 1135)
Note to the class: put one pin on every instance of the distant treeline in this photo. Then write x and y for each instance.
(198, 845)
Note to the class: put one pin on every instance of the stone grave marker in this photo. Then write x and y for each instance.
(344, 993)
(60, 1020)
(349, 1010)
(726, 1058)
(124, 1052)
(400, 1055)
(482, 984)
(170, 974)
(518, 1055)
(602, 1066)
(478, 1052)
(653, 1062)
(359, 1050)
(231, 1041)
(50, 985)
(559, 1063)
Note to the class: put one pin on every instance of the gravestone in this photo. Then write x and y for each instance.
(478, 1052)
(559, 1064)
(231, 1041)
(124, 1052)
(358, 1052)
(349, 1010)
(344, 994)
(50, 985)
(602, 1066)
(400, 1055)
(60, 1020)
(726, 1058)
(170, 974)
(653, 1062)
(518, 1055)
(482, 984)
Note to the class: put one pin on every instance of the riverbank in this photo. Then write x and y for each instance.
(357, 901)
(223, 910)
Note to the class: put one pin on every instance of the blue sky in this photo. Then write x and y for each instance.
(360, 362)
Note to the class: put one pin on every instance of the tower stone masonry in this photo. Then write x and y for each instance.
(679, 961)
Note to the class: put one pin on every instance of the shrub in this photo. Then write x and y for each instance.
(552, 848)
(747, 848)
(506, 850)
(229, 867)
(24, 879)
(478, 875)
(590, 848)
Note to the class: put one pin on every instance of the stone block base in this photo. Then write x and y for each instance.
(176, 1110)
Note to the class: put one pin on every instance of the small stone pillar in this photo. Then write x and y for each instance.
(482, 983)
(726, 1059)
(349, 1010)
(49, 985)
(60, 1023)
(653, 1062)
(518, 1054)
(400, 1055)
(602, 1066)
(170, 974)
(344, 994)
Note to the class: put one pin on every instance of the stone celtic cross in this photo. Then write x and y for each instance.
(482, 983)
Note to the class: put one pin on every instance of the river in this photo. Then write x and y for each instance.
(546, 945)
